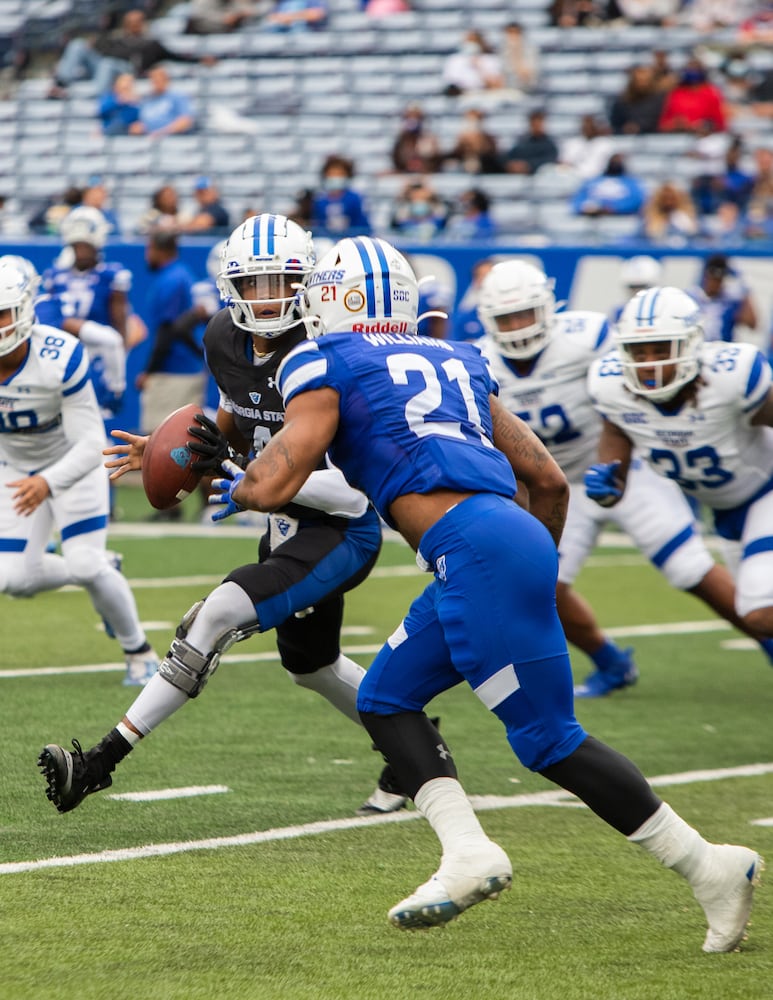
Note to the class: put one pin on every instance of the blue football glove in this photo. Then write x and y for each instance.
(222, 491)
(603, 485)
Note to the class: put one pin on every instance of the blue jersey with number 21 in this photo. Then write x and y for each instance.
(438, 436)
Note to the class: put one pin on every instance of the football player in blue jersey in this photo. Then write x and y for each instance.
(319, 545)
(93, 295)
(416, 424)
(51, 441)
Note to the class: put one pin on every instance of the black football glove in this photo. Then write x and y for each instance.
(212, 446)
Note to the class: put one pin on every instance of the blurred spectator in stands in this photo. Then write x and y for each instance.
(761, 198)
(338, 210)
(474, 68)
(419, 212)
(383, 8)
(713, 15)
(471, 220)
(664, 74)
(636, 274)
(475, 150)
(300, 211)
(47, 219)
(296, 15)
(757, 28)
(129, 49)
(519, 57)
(119, 109)
(669, 215)
(215, 17)
(733, 185)
(614, 192)
(747, 89)
(694, 103)
(726, 226)
(465, 324)
(725, 299)
(210, 217)
(96, 195)
(637, 108)
(588, 153)
(164, 111)
(534, 148)
(12, 222)
(662, 13)
(576, 13)
(164, 214)
(416, 149)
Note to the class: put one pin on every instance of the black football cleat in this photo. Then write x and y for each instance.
(72, 776)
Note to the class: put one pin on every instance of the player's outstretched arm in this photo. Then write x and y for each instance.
(284, 465)
(128, 455)
(605, 480)
(533, 466)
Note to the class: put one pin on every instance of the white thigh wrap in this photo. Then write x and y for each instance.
(754, 580)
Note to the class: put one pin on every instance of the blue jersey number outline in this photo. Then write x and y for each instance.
(706, 459)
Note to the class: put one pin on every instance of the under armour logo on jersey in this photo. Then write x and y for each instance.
(440, 567)
(180, 456)
(282, 526)
(255, 397)
(442, 752)
(271, 383)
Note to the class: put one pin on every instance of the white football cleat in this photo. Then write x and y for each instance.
(726, 893)
(458, 884)
(140, 667)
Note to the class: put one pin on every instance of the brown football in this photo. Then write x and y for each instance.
(167, 475)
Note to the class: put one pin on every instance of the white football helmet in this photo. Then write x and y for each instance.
(17, 294)
(270, 245)
(668, 316)
(512, 287)
(361, 285)
(26, 267)
(640, 271)
(85, 224)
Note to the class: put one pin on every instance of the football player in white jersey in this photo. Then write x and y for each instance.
(51, 439)
(701, 415)
(541, 360)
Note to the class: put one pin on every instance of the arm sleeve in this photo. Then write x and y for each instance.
(326, 489)
(84, 429)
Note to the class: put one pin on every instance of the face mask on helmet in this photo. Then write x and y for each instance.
(17, 310)
(361, 285)
(515, 307)
(262, 265)
(85, 225)
(659, 336)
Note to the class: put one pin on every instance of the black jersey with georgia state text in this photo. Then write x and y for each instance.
(247, 384)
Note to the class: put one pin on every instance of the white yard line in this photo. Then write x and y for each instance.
(370, 649)
(480, 803)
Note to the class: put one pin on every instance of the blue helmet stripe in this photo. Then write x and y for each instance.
(270, 232)
(387, 287)
(256, 238)
(370, 289)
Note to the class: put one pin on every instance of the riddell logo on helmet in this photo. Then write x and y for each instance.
(381, 326)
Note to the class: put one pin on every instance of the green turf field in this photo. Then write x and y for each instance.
(183, 898)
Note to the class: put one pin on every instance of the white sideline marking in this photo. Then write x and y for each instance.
(162, 794)
(640, 631)
(479, 802)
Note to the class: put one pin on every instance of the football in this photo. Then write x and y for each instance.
(167, 476)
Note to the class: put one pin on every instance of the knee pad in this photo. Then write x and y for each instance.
(688, 565)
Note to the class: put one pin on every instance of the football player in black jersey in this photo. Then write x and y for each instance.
(322, 544)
